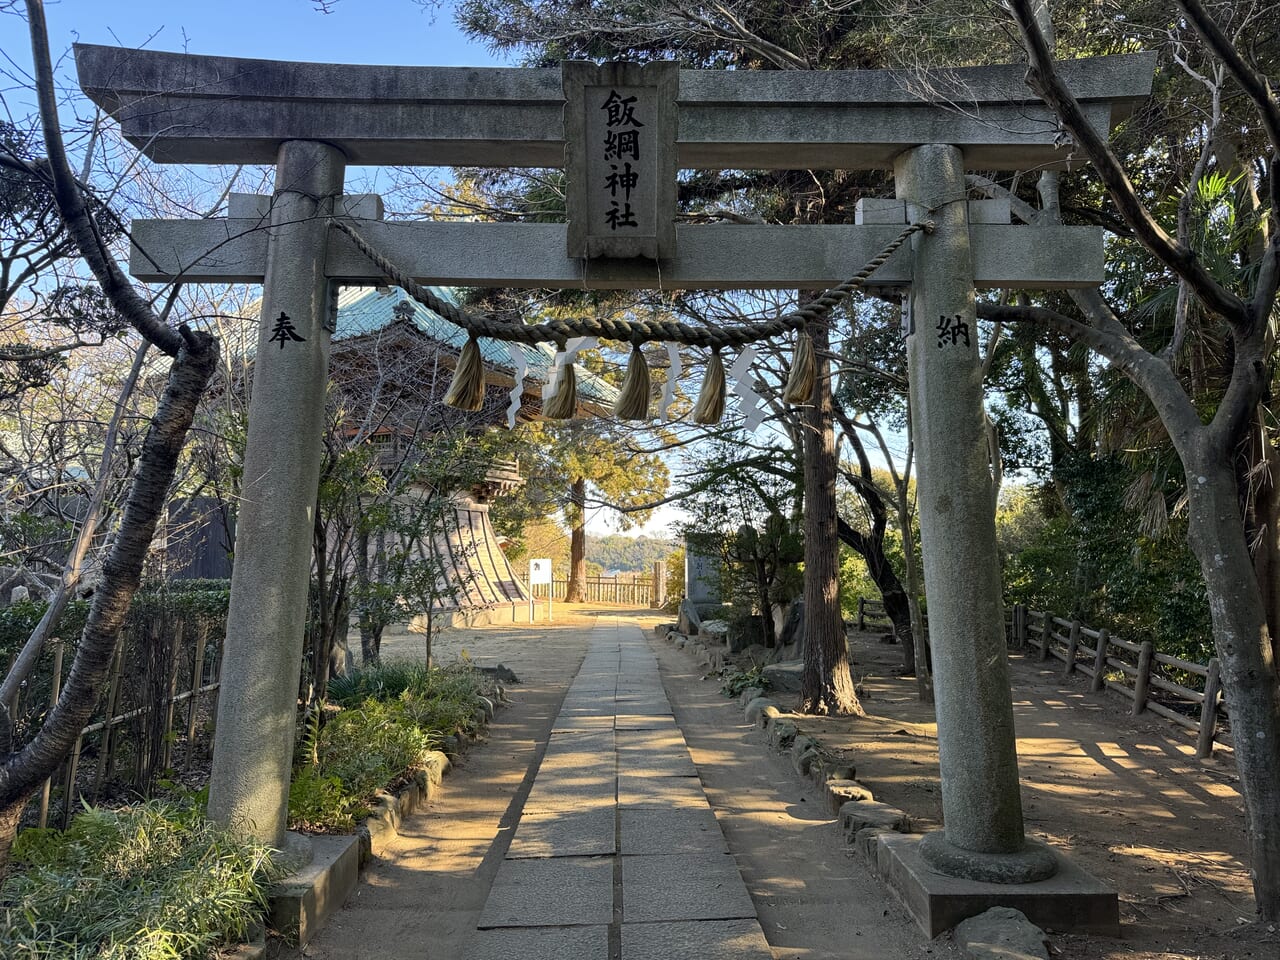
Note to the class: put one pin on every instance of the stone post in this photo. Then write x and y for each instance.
(257, 703)
(659, 593)
(982, 837)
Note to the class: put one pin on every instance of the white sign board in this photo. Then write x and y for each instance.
(539, 571)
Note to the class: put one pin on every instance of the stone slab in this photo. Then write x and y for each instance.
(585, 723)
(586, 760)
(302, 903)
(583, 833)
(667, 739)
(855, 815)
(647, 764)
(647, 832)
(1071, 901)
(683, 887)
(568, 796)
(563, 891)
(666, 792)
(643, 707)
(579, 744)
(540, 943)
(704, 939)
(645, 722)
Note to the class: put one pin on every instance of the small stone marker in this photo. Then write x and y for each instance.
(860, 814)
(1001, 933)
(840, 792)
(701, 574)
(756, 707)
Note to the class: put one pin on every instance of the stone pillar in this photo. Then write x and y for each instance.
(261, 662)
(982, 808)
(658, 597)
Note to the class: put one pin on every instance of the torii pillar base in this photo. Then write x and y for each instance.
(1071, 900)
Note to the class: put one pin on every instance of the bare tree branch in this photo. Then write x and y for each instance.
(1042, 76)
(75, 212)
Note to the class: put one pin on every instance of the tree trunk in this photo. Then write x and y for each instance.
(370, 636)
(22, 771)
(1263, 518)
(575, 590)
(896, 607)
(370, 645)
(320, 630)
(1249, 676)
(826, 686)
(924, 677)
(764, 580)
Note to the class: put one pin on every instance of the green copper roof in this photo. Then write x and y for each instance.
(363, 310)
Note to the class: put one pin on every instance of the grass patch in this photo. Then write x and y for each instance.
(154, 881)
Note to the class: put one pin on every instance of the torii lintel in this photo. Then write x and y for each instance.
(182, 108)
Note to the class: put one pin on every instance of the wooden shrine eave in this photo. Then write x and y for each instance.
(179, 108)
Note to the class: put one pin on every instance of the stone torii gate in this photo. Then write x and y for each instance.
(311, 120)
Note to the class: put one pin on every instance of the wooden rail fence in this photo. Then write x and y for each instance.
(134, 721)
(1131, 670)
(636, 592)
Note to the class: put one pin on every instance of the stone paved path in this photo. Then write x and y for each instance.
(617, 852)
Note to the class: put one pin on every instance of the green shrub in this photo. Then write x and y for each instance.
(383, 682)
(156, 881)
(320, 803)
(392, 715)
(735, 683)
(360, 750)
(369, 747)
(440, 699)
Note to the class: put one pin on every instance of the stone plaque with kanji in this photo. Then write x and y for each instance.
(620, 159)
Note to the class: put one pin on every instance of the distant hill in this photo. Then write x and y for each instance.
(617, 552)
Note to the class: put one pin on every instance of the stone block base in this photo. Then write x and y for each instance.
(512, 611)
(1069, 901)
(302, 902)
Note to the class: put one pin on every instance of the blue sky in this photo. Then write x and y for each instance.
(357, 31)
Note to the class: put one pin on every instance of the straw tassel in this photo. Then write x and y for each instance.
(564, 402)
(710, 406)
(633, 401)
(467, 390)
(804, 372)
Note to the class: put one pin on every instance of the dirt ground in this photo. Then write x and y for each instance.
(1124, 796)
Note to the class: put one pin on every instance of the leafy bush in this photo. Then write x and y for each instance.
(383, 682)
(360, 751)
(19, 619)
(735, 683)
(391, 716)
(320, 803)
(368, 748)
(156, 881)
(442, 699)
